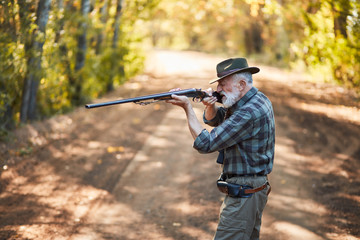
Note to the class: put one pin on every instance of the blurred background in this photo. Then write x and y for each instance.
(58, 54)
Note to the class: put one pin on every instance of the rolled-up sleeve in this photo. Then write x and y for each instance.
(232, 131)
(219, 117)
(201, 142)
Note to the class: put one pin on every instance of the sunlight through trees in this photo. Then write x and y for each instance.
(55, 55)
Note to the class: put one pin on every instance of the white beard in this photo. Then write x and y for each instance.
(230, 99)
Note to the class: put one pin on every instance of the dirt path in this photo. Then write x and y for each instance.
(129, 172)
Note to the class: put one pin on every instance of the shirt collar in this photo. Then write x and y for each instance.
(245, 98)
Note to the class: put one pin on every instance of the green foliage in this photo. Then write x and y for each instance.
(323, 36)
(105, 66)
(329, 52)
(12, 68)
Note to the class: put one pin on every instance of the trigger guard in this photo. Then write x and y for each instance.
(197, 99)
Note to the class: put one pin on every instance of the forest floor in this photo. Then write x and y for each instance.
(130, 172)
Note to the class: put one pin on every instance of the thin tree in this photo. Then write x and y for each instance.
(33, 74)
(103, 19)
(81, 54)
(114, 44)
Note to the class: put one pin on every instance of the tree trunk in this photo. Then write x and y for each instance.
(6, 112)
(7, 99)
(110, 83)
(253, 40)
(80, 55)
(341, 10)
(63, 49)
(103, 19)
(253, 34)
(117, 23)
(33, 74)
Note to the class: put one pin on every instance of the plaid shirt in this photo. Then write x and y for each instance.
(247, 137)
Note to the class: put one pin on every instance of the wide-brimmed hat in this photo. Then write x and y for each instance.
(231, 66)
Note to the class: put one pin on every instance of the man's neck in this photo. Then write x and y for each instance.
(245, 91)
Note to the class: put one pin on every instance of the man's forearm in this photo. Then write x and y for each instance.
(210, 112)
(193, 122)
(195, 126)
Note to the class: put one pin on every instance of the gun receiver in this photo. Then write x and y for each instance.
(197, 95)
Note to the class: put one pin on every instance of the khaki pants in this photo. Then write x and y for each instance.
(240, 218)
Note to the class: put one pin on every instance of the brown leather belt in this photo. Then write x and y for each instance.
(248, 191)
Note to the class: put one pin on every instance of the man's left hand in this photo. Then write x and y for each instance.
(181, 101)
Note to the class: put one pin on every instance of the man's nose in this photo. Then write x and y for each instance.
(218, 88)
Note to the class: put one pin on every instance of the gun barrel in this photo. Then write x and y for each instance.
(95, 105)
(191, 92)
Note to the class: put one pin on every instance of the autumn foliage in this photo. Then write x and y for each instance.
(55, 55)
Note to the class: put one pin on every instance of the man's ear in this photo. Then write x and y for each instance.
(242, 85)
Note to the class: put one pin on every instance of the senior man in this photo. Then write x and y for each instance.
(244, 135)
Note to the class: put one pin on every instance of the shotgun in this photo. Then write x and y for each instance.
(197, 94)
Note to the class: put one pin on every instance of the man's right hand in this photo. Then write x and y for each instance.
(210, 107)
(209, 101)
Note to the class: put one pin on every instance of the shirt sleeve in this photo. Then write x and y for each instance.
(233, 130)
(219, 117)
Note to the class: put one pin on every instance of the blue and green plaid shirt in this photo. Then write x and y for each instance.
(247, 137)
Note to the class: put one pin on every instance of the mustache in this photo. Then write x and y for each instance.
(228, 99)
(222, 93)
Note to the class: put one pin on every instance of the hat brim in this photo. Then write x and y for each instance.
(252, 70)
